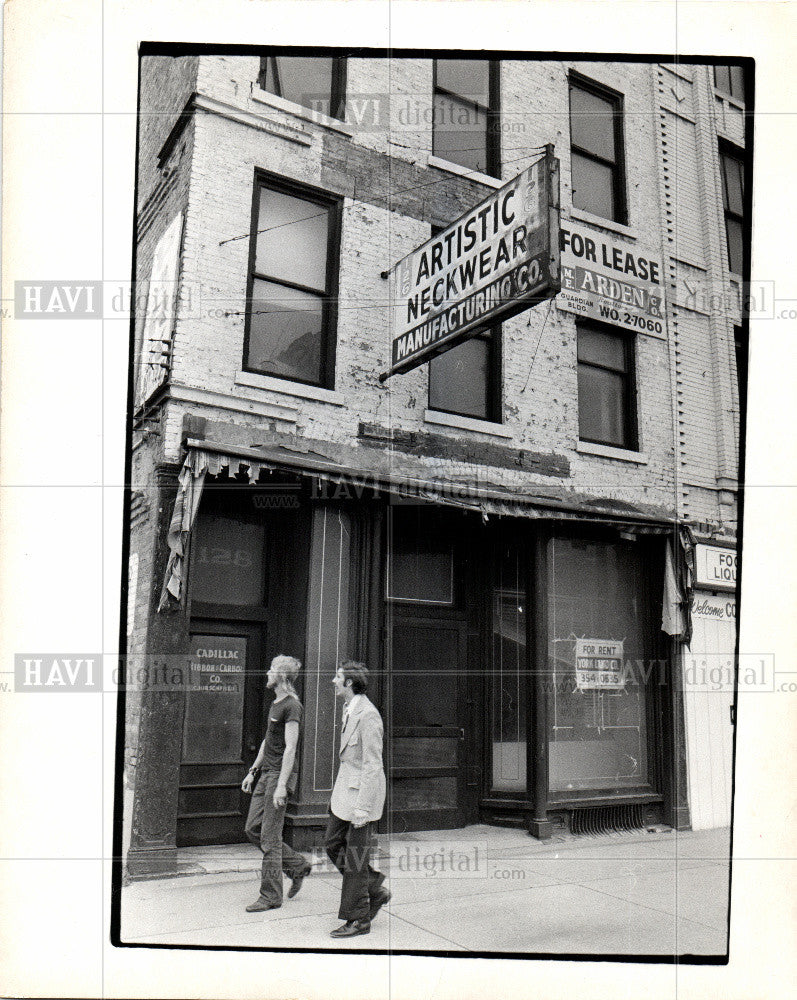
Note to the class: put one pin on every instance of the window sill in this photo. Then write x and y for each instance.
(596, 220)
(299, 111)
(296, 389)
(472, 175)
(442, 419)
(607, 451)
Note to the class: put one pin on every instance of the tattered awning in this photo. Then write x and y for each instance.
(205, 458)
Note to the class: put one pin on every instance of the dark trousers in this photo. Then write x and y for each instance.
(349, 850)
(264, 828)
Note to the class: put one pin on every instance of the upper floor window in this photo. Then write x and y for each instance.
(740, 350)
(606, 387)
(732, 171)
(465, 380)
(315, 83)
(596, 150)
(466, 113)
(730, 80)
(293, 275)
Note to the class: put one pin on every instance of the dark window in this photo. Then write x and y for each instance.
(466, 114)
(293, 273)
(730, 80)
(596, 150)
(732, 170)
(466, 380)
(740, 349)
(420, 558)
(605, 387)
(315, 83)
(228, 561)
(509, 671)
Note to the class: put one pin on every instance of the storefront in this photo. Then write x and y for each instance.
(516, 650)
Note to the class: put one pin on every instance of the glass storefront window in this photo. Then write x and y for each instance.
(214, 702)
(227, 561)
(508, 681)
(420, 559)
(596, 700)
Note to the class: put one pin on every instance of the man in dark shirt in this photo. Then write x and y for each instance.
(273, 777)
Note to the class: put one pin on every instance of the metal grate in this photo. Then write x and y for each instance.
(607, 819)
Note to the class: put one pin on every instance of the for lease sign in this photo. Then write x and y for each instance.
(494, 261)
(609, 280)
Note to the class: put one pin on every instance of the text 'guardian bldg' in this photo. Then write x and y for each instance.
(528, 537)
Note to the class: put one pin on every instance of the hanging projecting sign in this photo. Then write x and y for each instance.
(599, 665)
(496, 260)
(606, 279)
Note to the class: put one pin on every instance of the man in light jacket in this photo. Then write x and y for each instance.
(357, 802)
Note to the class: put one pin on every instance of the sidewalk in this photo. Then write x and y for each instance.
(480, 889)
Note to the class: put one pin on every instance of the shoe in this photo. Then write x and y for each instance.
(261, 904)
(352, 928)
(377, 902)
(296, 882)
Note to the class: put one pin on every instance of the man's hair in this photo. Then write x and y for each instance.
(357, 673)
(287, 667)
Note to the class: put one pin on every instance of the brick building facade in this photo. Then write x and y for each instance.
(467, 527)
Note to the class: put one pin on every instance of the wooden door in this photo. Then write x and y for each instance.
(425, 734)
(222, 730)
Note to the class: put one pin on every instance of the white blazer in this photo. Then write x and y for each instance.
(360, 783)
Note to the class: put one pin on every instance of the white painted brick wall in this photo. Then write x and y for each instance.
(540, 399)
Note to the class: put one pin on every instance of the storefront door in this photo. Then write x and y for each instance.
(225, 701)
(222, 731)
(426, 670)
(426, 737)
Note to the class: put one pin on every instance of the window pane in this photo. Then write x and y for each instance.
(601, 406)
(722, 79)
(294, 244)
(737, 82)
(597, 736)
(425, 666)
(304, 81)
(733, 228)
(460, 133)
(509, 675)
(593, 187)
(733, 182)
(420, 558)
(227, 564)
(592, 123)
(601, 349)
(467, 77)
(214, 701)
(459, 379)
(285, 332)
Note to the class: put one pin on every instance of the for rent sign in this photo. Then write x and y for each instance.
(609, 280)
(496, 260)
(599, 665)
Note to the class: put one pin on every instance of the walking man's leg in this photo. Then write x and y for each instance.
(335, 841)
(357, 874)
(255, 815)
(271, 845)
